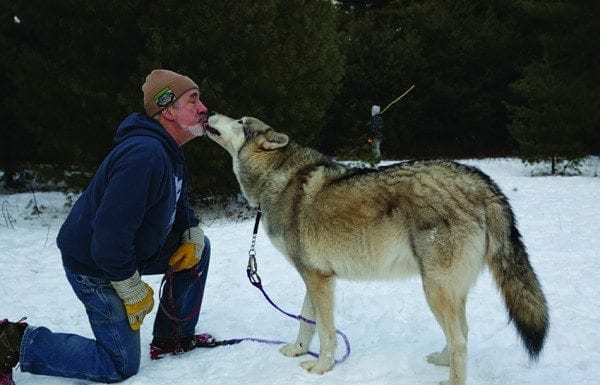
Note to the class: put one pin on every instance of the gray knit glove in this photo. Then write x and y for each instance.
(137, 297)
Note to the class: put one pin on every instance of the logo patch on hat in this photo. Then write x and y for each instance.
(164, 97)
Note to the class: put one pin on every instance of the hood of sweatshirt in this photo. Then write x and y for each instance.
(137, 124)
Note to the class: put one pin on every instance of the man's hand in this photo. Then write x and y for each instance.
(137, 296)
(190, 251)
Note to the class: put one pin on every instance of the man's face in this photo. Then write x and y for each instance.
(191, 113)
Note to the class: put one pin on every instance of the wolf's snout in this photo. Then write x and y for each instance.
(213, 131)
(212, 120)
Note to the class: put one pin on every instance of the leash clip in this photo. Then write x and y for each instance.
(252, 268)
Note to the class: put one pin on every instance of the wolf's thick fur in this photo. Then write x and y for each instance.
(440, 219)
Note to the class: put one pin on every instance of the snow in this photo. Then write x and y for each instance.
(389, 325)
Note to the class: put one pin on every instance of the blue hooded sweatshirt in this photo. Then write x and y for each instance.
(133, 201)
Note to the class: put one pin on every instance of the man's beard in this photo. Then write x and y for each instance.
(196, 129)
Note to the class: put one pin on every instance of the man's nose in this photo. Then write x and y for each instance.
(202, 108)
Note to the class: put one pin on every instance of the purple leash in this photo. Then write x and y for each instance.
(254, 278)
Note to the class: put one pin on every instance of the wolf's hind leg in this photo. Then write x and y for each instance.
(450, 314)
(443, 358)
(305, 332)
(440, 358)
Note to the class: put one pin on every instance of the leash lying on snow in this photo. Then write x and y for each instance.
(206, 341)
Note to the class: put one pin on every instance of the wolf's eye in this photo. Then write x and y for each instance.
(240, 121)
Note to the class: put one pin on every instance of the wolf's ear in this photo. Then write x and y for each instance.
(274, 140)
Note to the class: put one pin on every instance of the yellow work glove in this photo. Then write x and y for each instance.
(137, 296)
(190, 251)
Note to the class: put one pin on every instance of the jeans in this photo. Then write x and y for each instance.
(375, 149)
(114, 355)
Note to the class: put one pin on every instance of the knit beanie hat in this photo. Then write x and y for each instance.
(162, 88)
(375, 110)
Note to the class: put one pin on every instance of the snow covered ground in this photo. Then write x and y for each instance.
(390, 327)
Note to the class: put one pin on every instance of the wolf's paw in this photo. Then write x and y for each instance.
(317, 366)
(293, 350)
(439, 359)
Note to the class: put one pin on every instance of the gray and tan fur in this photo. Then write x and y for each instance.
(439, 219)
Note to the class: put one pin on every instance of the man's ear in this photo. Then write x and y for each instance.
(274, 140)
(168, 114)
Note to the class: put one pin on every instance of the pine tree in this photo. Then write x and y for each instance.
(558, 115)
(68, 68)
(278, 60)
(461, 56)
(17, 144)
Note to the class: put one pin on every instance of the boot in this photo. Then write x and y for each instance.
(162, 346)
(11, 334)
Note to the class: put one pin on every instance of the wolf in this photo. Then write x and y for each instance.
(440, 219)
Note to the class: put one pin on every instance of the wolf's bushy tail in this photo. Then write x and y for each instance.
(514, 275)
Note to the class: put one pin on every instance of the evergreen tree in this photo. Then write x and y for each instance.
(558, 115)
(278, 60)
(71, 72)
(68, 68)
(461, 56)
(14, 149)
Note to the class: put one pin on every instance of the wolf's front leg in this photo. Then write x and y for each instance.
(320, 289)
(305, 332)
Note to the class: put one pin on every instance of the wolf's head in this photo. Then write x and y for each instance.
(234, 134)
(255, 148)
